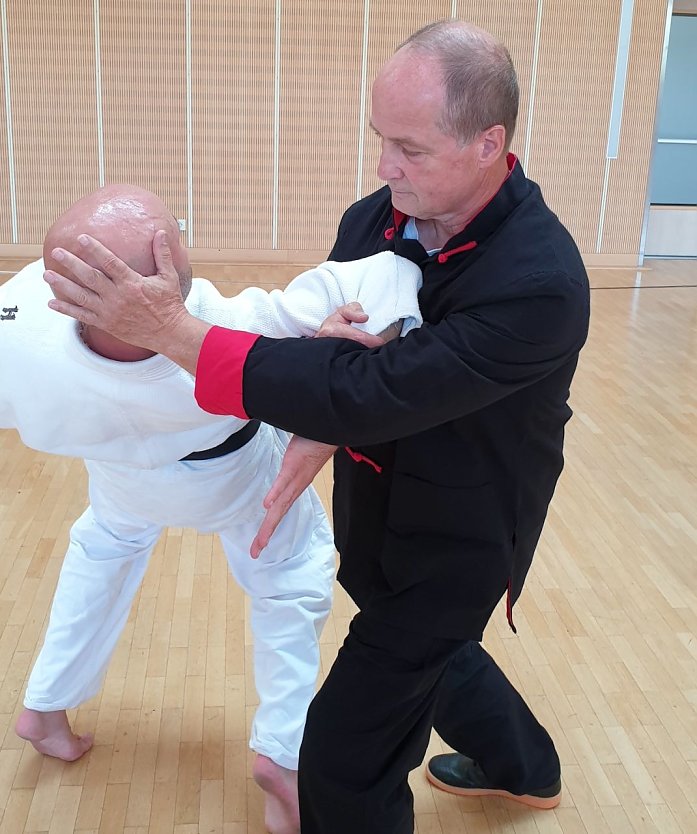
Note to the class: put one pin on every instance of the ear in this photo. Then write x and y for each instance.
(492, 145)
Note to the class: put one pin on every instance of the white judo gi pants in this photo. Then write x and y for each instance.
(290, 585)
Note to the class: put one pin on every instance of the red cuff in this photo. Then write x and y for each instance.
(220, 371)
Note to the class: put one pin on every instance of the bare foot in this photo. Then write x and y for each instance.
(51, 735)
(280, 786)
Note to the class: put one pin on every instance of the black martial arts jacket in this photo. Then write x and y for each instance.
(454, 433)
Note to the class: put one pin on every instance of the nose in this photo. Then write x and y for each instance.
(388, 167)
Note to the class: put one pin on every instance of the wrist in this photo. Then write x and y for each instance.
(181, 340)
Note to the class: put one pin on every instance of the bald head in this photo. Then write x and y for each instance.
(479, 85)
(124, 219)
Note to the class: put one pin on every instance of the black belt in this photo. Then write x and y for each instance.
(232, 444)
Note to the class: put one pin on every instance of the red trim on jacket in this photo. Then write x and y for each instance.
(397, 218)
(359, 458)
(509, 608)
(220, 371)
(443, 256)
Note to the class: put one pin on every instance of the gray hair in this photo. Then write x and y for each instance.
(481, 88)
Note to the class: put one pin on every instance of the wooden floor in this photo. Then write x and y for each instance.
(606, 652)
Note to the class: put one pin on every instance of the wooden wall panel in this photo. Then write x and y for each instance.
(628, 173)
(144, 97)
(320, 88)
(391, 22)
(53, 110)
(572, 111)
(236, 200)
(5, 206)
(233, 119)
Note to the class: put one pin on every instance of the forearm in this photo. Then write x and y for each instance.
(322, 389)
(182, 343)
(335, 392)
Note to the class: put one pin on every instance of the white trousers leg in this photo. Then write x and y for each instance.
(290, 589)
(101, 573)
(290, 585)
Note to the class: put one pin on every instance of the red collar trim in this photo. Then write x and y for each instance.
(397, 218)
(443, 256)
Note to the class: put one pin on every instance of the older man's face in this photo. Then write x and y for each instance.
(430, 174)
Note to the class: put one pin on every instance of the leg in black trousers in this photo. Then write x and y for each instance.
(480, 714)
(368, 726)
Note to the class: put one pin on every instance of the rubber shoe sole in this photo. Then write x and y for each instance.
(544, 803)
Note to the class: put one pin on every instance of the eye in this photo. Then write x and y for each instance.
(412, 154)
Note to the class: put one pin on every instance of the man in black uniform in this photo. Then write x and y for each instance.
(454, 434)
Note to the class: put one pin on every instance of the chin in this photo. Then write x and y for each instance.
(404, 202)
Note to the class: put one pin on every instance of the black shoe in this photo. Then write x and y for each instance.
(455, 773)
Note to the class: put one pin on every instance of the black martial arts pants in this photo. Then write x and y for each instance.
(369, 726)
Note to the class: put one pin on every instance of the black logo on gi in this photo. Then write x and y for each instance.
(9, 313)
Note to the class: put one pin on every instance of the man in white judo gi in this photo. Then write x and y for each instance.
(155, 459)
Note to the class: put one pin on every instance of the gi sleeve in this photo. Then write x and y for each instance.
(338, 392)
(385, 285)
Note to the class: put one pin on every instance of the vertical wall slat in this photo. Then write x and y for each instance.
(5, 163)
(98, 88)
(532, 87)
(363, 118)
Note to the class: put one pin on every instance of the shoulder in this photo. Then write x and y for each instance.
(25, 316)
(27, 285)
(379, 202)
(31, 272)
(362, 226)
(533, 249)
